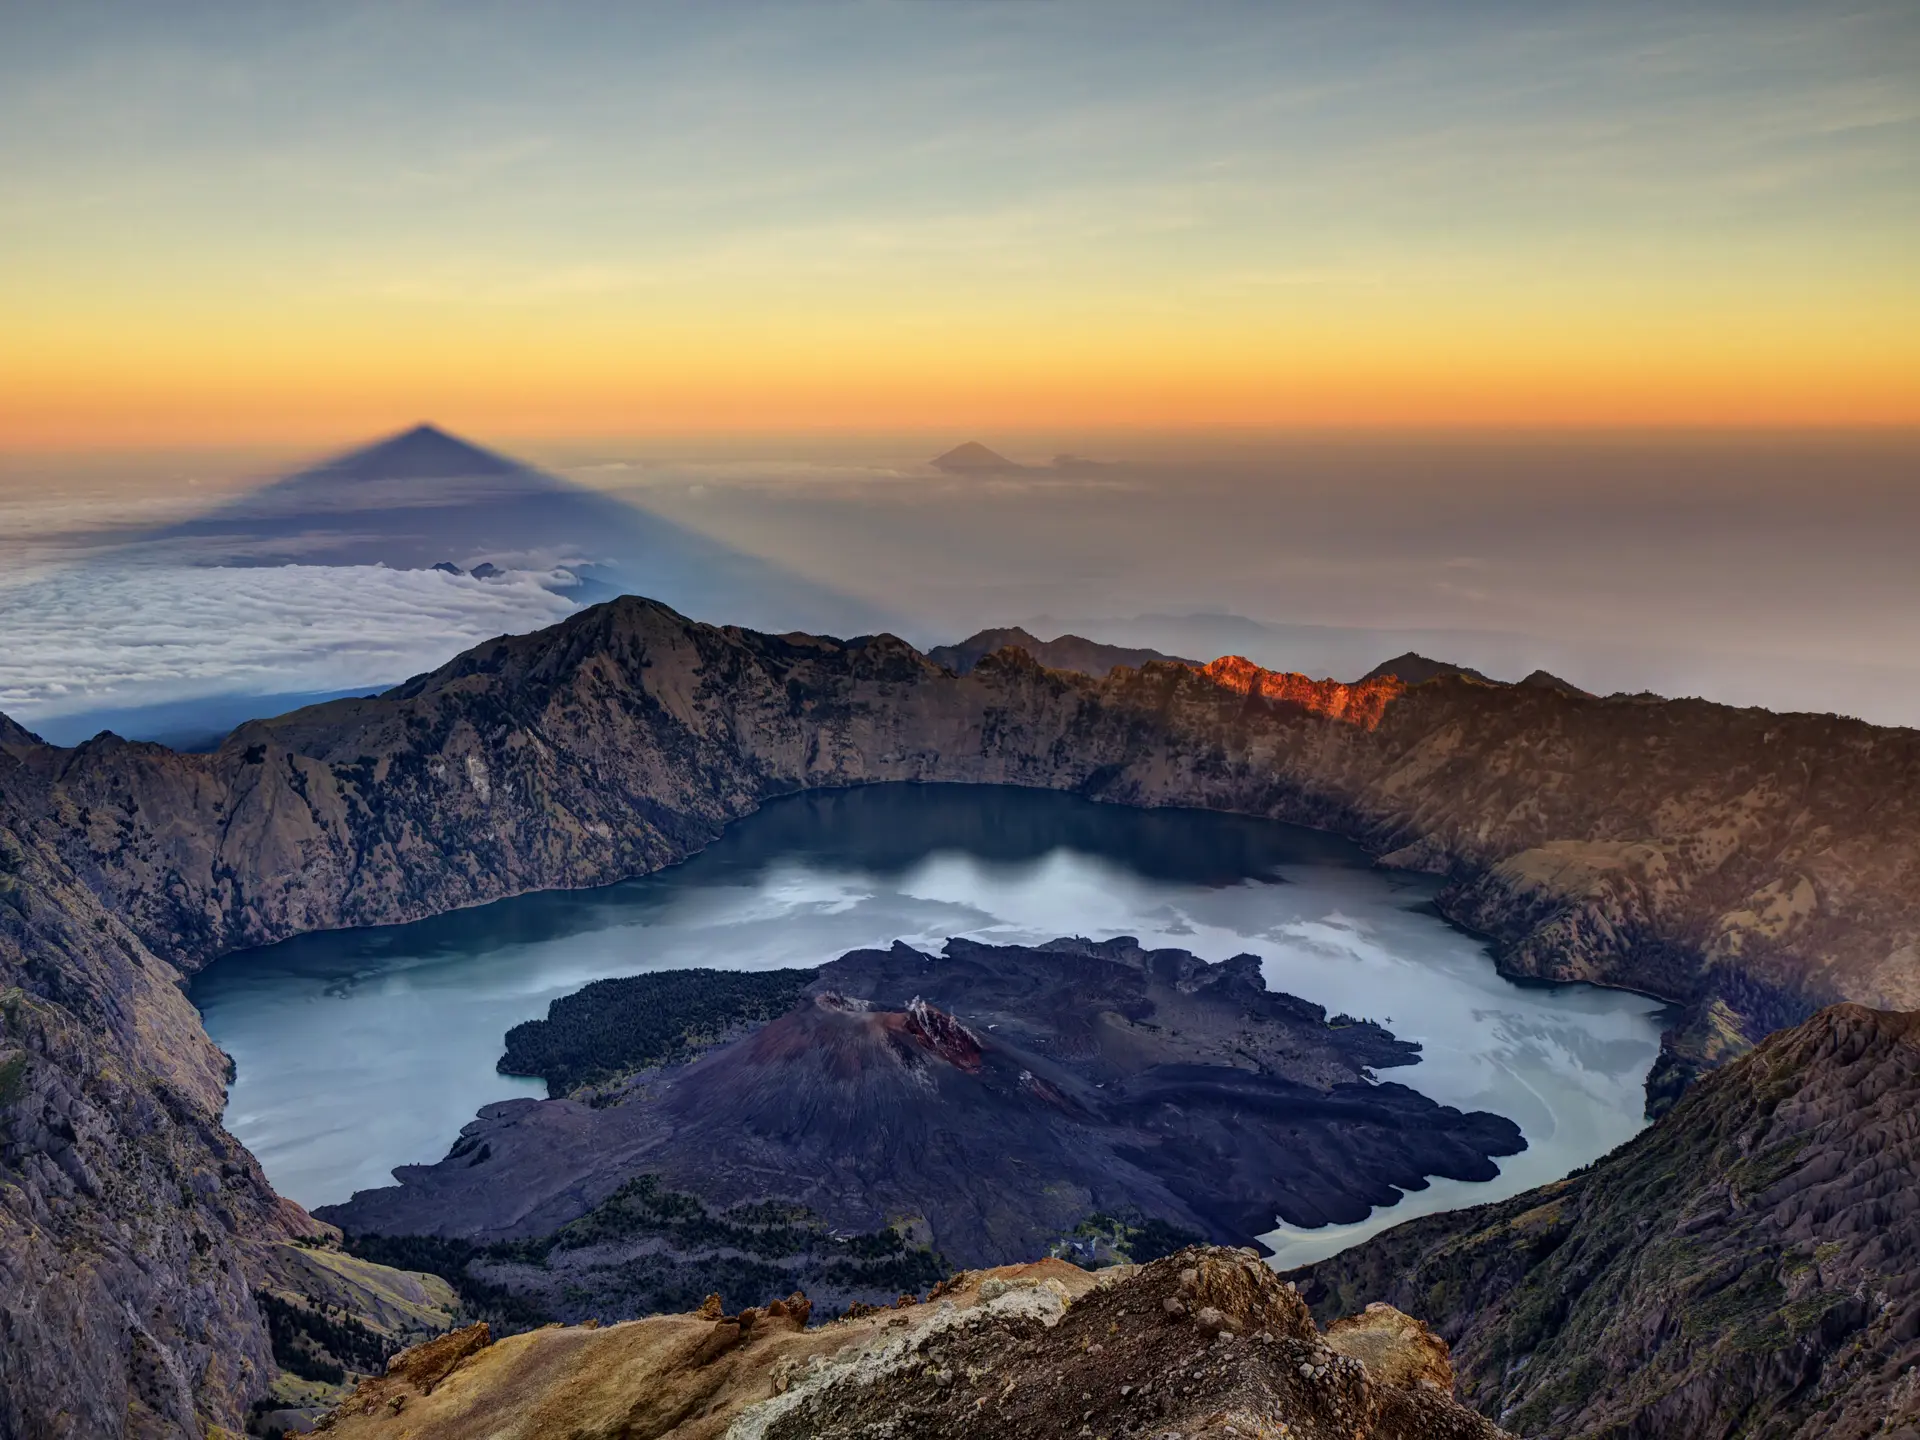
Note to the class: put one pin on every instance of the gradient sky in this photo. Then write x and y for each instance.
(279, 222)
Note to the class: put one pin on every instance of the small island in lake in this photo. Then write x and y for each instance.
(979, 1106)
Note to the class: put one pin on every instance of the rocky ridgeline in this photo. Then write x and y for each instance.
(1749, 1266)
(1206, 1344)
(1063, 652)
(1747, 865)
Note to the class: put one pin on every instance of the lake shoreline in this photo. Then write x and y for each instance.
(812, 875)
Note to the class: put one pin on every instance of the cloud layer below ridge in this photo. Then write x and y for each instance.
(87, 637)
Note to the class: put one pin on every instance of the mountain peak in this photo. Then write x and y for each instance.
(972, 458)
(1546, 680)
(424, 452)
(1416, 669)
(1063, 652)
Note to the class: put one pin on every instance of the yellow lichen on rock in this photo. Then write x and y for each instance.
(1396, 1348)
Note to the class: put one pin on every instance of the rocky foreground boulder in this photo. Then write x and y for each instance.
(1206, 1344)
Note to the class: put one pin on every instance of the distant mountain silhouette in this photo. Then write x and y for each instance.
(424, 498)
(1412, 669)
(973, 458)
(1064, 652)
(191, 725)
(1547, 680)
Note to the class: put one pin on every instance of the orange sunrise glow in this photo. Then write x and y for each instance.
(1641, 239)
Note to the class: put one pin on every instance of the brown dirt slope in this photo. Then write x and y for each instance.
(1206, 1343)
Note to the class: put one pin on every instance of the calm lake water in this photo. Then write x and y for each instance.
(360, 1050)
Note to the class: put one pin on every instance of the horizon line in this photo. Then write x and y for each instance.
(959, 433)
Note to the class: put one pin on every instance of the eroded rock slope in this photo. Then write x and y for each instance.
(126, 1210)
(1748, 1266)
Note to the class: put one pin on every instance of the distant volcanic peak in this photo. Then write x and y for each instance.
(425, 452)
(973, 458)
(990, 640)
(1416, 669)
(1363, 703)
(853, 1035)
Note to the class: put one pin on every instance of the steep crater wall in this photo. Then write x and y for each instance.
(1747, 865)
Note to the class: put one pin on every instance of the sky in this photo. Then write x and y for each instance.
(304, 225)
(1584, 336)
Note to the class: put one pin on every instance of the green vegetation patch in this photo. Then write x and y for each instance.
(13, 1078)
(613, 1028)
(1134, 1239)
(321, 1346)
(450, 1259)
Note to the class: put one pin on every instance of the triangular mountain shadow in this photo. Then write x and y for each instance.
(973, 458)
(424, 497)
(193, 725)
(425, 452)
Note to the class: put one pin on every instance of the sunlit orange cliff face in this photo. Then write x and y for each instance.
(1364, 704)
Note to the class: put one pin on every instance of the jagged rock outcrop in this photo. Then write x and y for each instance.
(1206, 1343)
(126, 1211)
(1748, 1266)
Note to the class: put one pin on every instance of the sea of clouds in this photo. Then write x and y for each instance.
(94, 636)
(1618, 568)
